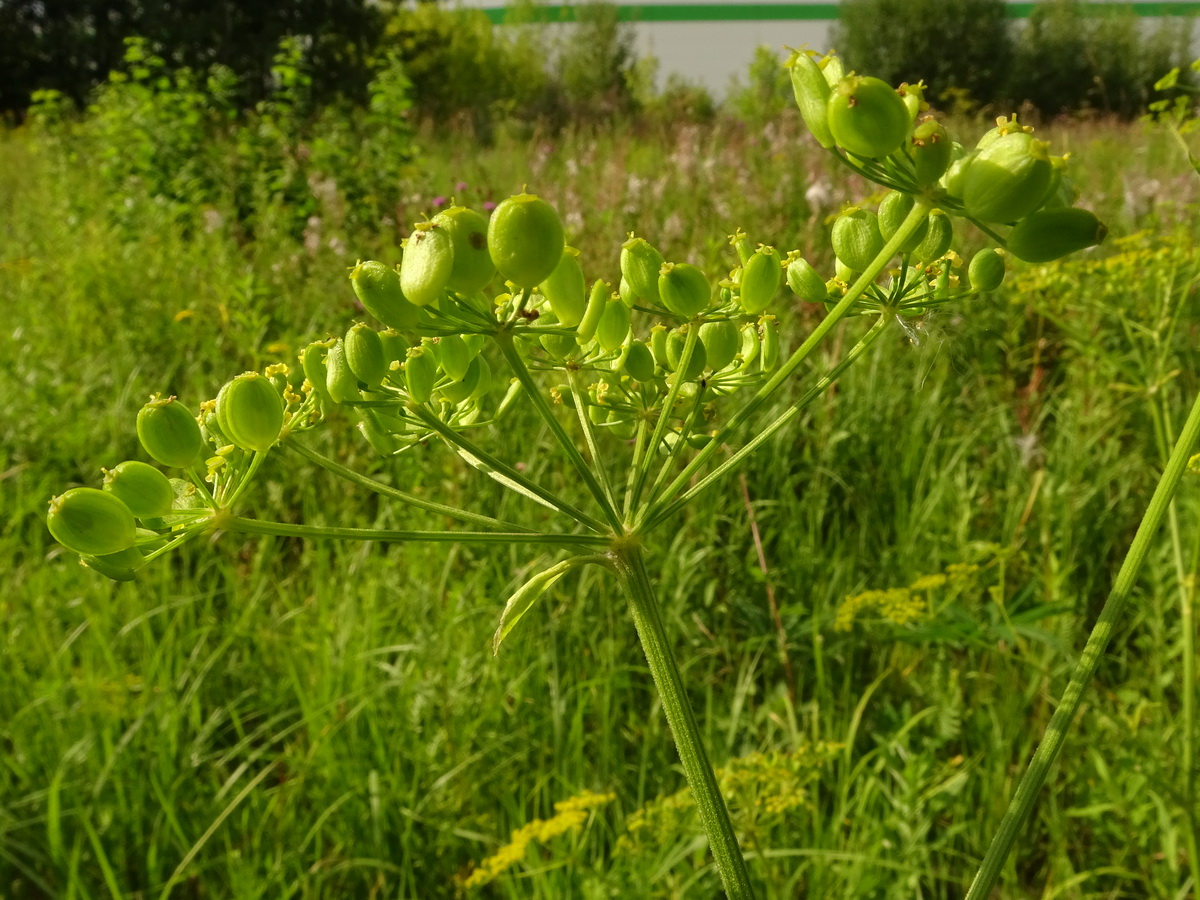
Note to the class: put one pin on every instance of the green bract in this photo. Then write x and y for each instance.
(760, 280)
(565, 289)
(640, 266)
(467, 229)
(525, 239)
(169, 432)
(867, 117)
(427, 265)
(683, 289)
(250, 411)
(91, 522)
(378, 290)
(145, 490)
(1008, 179)
(856, 239)
(1053, 233)
(364, 354)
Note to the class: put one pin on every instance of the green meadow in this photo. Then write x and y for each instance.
(875, 615)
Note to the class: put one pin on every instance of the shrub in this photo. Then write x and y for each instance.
(964, 44)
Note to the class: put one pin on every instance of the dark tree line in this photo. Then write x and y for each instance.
(72, 45)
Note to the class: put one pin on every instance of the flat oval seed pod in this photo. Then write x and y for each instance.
(250, 411)
(938, 236)
(751, 344)
(462, 389)
(640, 266)
(452, 355)
(473, 267)
(805, 282)
(364, 355)
(893, 210)
(812, 95)
(169, 432)
(639, 362)
(141, 487)
(91, 522)
(427, 264)
(592, 314)
(760, 280)
(986, 271)
(768, 328)
(312, 361)
(340, 381)
(676, 344)
(867, 117)
(119, 566)
(566, 289)
(932, 151)
(683, 289)
(1008, 179)
(856, 239)
(525, 238)
(658, 345)
(614, 325)
(721, 343)
(420, 373)
(1054, 233)
(378, 289)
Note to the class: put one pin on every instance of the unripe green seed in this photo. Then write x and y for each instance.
(420, 373)
(593, 312)
(484, 385)
(340, 380)
(312, 361)
(394, 344)
(832, 69)
(614, 325)
(1054, 233)
(525, 238)
(250, 411)
(91, 522)
(812, 95)
(761, 276)
(658, 344)
(145, 490)
(467, 229)
(119, 566)
(676, 344)
(458, 391)
(931, 150)
(721, 342)
(640, 266)
(683, 289)
(169, 432)
(867, 117)
(768, 358)
(751, 344)
(804, 281)
(560, 346)
(742, 245)
(956, 173)
(378, 437)
(364, 355)
(856, 239)
(913, 97)
(625, 292)
(986, 271)
(378, 290)
(427, 265)
(639, 362)
(937, 240)
(842, 272)
(1008, 179)
(453, 356)
(893, 210)
(566, 289)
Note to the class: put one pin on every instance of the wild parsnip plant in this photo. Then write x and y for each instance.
(650, 384)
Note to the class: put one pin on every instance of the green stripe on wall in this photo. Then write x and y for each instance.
(758, 12)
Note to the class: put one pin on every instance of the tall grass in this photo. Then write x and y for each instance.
(267, 718)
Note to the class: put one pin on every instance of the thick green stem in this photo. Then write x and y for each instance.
(283, 529)
(706, 794)
(1056, 732)
(908, 227)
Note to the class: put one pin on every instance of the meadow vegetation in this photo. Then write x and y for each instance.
(876, 616)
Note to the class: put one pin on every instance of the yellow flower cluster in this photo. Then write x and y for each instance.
(568, 814)
(902, 605)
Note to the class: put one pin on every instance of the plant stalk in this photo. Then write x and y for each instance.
(631, 569)
(1031, 783)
